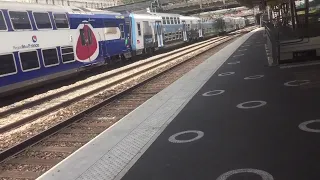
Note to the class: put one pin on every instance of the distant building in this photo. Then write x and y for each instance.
(94, 4)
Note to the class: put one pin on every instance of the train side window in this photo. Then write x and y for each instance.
(175, 20)
(61, 21)
(42, 20)
(67, 54)
(50, 57)
(139, 29)
(171, 20)
(29, 60)
(20, 20)
(8, 65)
(3, 25)
(121, 30)
(89, 36)
(168, 20)
(164, 20)
(82, 37)
(109, 24)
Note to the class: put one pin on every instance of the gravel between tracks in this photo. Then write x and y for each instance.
(16, 136)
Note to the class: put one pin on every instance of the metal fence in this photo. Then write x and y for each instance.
(272, 42)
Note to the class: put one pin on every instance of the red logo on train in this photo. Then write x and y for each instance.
(87, 44)
(34, 38)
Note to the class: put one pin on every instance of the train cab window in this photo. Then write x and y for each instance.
(175, 20)
(85, 40)
(164, 20)
(29, 60)
(50, 57)
(8, 65)
(67, 54)
(121, 27)
(20, 20)
(178, 20)
(61, 20)
(42, 20)
(3, 25)
(83, 37)
(171, 19)
(168, 20)
(139, 29)
(89, 36)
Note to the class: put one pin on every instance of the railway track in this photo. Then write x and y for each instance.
(31, 109)
(82, 127)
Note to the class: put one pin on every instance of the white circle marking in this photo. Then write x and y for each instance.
(242, 105)
(173, 139)
(264, 175)
(236, 62)
(237, 55)
(303, 126)
(213, 93)
(299, 82)
(254, 77)
(226, 74)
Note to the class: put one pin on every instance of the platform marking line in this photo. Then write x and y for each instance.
(226, 74)
(236, 62)
(238, 55)
(264, 175)
(213, 93)
(254, 77)
(297, 83)
(298, 65)
(247, 45)
(242, 50)
(303, 126)
(173, 139)
(242, 105)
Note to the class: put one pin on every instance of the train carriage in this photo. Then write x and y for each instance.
(102, 36)
(174, 32)
(147, 33)
(230, 24)
(46, 42)
(240, 22)
(193, 27)
(211, 27)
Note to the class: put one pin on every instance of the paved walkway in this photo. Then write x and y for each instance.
(246, 118)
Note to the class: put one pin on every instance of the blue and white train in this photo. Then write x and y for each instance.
(45, 42)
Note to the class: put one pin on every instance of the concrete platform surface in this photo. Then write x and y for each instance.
(230, 118)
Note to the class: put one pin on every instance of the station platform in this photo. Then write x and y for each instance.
(233, 117)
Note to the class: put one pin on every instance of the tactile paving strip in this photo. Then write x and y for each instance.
(111, 164)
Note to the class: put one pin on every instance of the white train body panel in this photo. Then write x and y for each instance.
(138, 23)
(195, 23)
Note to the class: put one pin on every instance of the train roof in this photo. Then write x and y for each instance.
(20, 6)
(146, 16)
(189, 18)
(166, 14)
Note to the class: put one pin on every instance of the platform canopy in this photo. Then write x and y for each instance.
(261, 3)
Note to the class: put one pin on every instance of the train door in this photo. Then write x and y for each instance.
(86, 45)
(184, 29)
(200, 28)
(159, 33)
